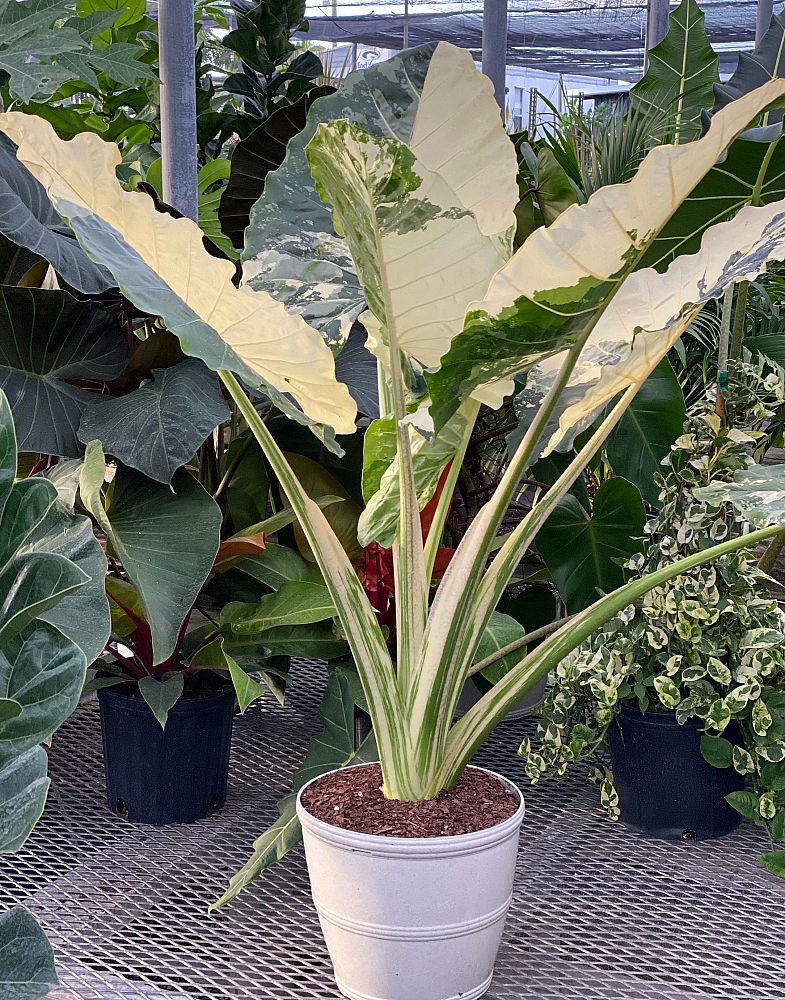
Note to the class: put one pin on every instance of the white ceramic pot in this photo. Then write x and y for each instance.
(408, 918)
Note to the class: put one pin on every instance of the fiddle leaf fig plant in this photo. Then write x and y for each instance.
(54, 620)
(425, 207)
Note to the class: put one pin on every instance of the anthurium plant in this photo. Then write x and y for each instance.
(414, 182)
(708, 644)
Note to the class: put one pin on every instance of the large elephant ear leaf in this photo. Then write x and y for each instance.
(757, 494)
(766, 62)
(683, 67)
(48, 341)
(165, 537)
(7, 452)
(28, 220)
(158, 427)
(160, 264)
(545, 299)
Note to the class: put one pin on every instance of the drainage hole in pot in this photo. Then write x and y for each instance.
(121, 808)
(688, 835)
(215, 802)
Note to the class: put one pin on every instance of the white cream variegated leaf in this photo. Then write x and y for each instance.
(419, 253)
(161, 265)
(756, 493)
(546, 298)
(458, 134)
(651, 311)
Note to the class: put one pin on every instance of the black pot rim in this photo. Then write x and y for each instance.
(136, 705)
(664, 720)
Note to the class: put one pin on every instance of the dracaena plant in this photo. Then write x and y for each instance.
(416, 180)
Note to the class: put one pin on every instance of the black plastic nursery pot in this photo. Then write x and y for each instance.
(172, 775)
(666, 788)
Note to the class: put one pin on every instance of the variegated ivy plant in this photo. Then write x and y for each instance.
(410, 182)
(709, 643)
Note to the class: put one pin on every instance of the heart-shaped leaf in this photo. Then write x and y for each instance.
(162, 696)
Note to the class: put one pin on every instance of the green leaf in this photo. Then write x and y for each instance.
(161, 425)
(309, 642)
(162, 696)
(277, 565)
(757, 494)
(27, 965)
(555, 193)
(44, 672)
(49, 340)
(23, 790)
(500, 631)
(165, 537)
(128, 11)
(778, 826)
(246, 688)
(681, 72)
(755, 68)
(717, 750)
(774, 861)
(646, 431)
(30, 586)
(746, 803)
(295, 603)
(580, 552)
(333, 747)
(342, 517)
(28, 220)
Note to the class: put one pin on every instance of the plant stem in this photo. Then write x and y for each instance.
(469, 732)
(739, 318)
(772, 552)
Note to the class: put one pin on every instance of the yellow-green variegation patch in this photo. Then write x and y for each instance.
(757, 494)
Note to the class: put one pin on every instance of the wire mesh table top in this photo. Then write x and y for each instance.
(598, 913)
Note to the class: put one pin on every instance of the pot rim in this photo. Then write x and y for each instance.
(181, 706)
(427, 847)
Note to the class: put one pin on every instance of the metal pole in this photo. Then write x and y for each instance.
(176, 60)
(656, 23)
(494, 46)
(406, 24)
(763, 20)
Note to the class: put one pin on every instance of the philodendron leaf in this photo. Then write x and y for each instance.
(23, 790)
(682, 69)
(295, 603)
(160, 426)
(499, 632)
(756, 493)
(161, 265)
(163, 695)
(277, 565)
(309, 642)
(545, 299)
(581, 551)
(48, 341)
(333, 747)
(165, 537)
(28, 220)
(650, 425)
(245, 687)
(27, 965)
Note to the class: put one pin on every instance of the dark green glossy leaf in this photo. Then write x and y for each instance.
(746, 803)
(580, 550)
(49, 340)
(644, 435)
(23, 790)
(717, 750)
(163, 695)
(160, 426)
(27, 966)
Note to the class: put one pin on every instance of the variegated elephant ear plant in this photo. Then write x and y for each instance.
(421, 180)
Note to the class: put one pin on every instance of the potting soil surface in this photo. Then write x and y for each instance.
(597, 913)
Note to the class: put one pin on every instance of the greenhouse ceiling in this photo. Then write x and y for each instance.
(602, 38)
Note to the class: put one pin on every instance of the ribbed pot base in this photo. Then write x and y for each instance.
(480, 991)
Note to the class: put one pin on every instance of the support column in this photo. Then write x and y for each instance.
(656, 23)
(763, 20)
(178, 104)
(494, 46)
